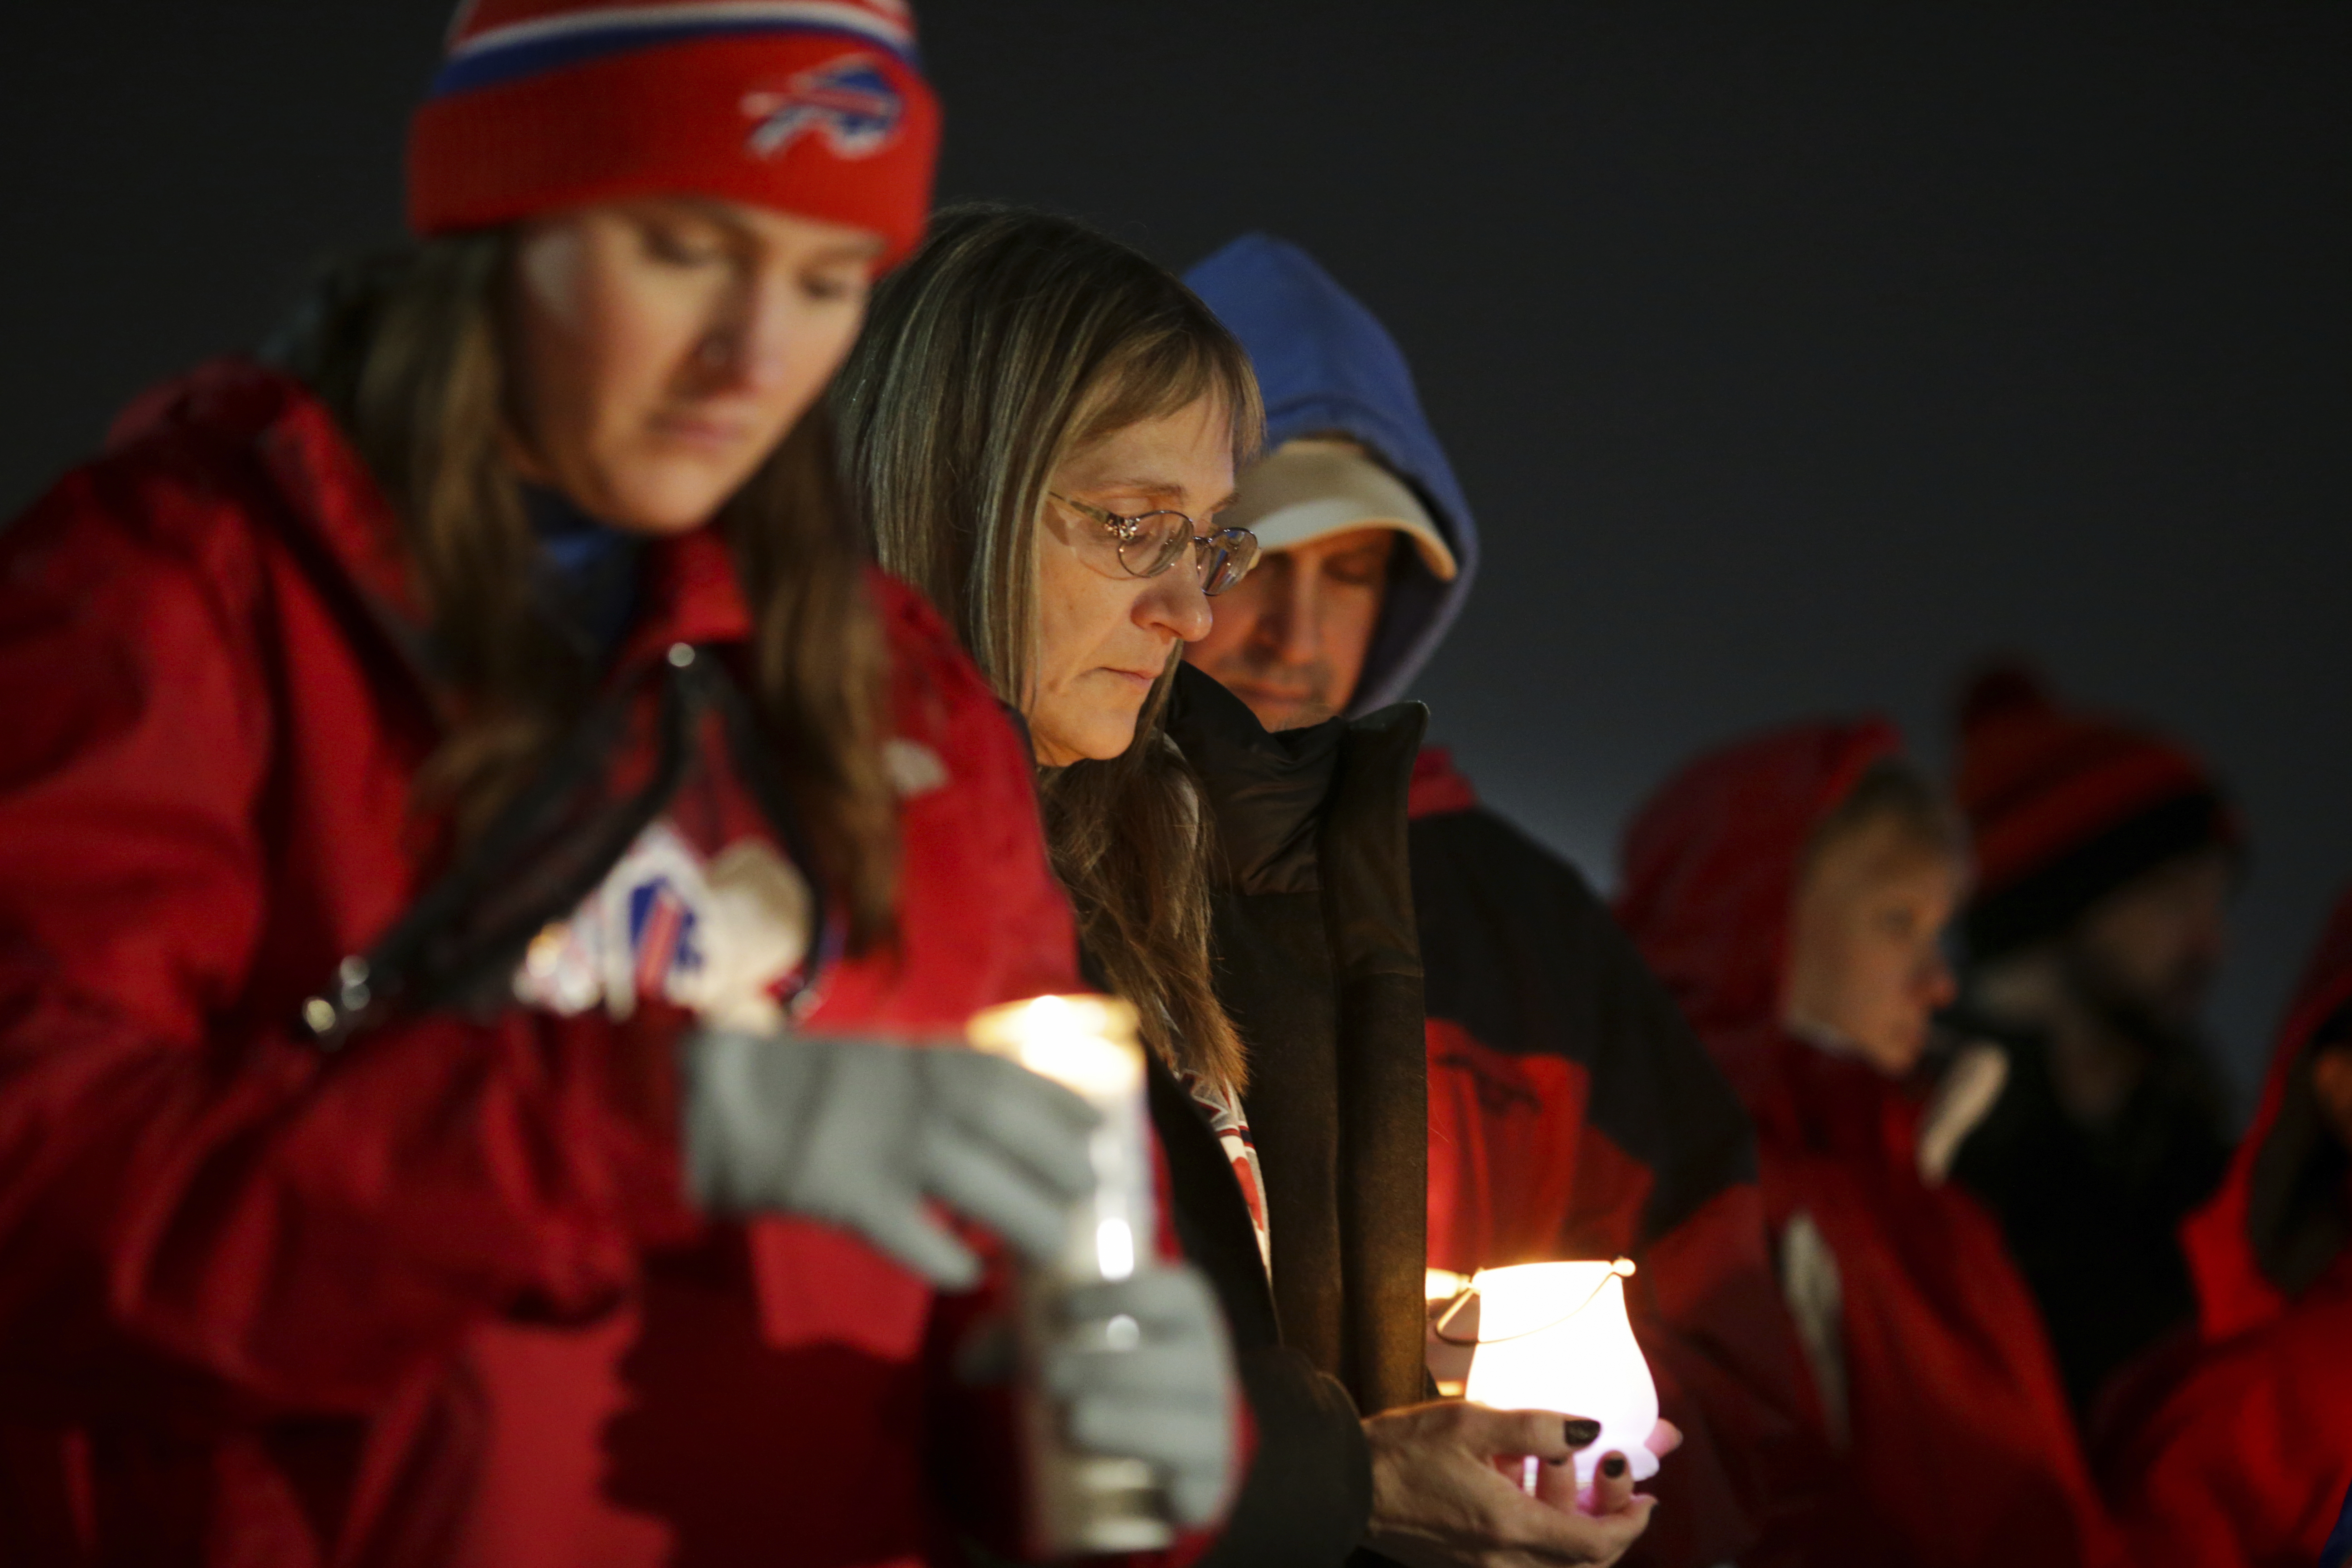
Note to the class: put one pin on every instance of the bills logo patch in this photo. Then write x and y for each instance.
(850, 102)
(661, 928)
(719, 937)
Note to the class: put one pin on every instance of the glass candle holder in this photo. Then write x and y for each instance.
(1081, 1503)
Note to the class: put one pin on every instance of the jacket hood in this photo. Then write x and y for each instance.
(1710, 869)
(1325, 364)
(2276, 1220)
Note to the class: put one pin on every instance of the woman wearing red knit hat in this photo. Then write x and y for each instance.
(2105, 854)
(1791, 890)
(490, 879)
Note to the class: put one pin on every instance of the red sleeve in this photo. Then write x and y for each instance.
(177, 1177)
(2247, 1462)
(2191, 1509)
(1519, 1172)
(981, 919)
(1708, 1314)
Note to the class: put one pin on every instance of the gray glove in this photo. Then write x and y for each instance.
(859, 1133)
(1146, 1372)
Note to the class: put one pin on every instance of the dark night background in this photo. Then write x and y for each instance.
(1791, 354)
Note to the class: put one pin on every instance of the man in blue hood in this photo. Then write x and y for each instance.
(1351, 467)
(1573, 1114)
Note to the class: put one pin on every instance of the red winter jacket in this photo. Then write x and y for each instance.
(1962, 1450)
(1573, 1114)
(436, 1299)
(2247, 1461)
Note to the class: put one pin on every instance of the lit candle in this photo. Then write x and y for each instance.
(1084, 1503)
(1554, 1336)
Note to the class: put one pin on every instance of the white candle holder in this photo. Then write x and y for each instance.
(1555, 1336)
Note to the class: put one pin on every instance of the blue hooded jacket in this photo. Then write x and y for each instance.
(1326, 364)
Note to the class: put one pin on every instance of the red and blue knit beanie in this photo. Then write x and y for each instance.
(812, 107)
(2066, 807)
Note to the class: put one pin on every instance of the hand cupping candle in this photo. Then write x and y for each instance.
(1555, 1336)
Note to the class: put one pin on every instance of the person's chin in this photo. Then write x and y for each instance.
(1113, 729)
(650, 498)
(678, 491)
(1106, 743)
(1899, 1057)
(1278, 711)
(1301, 715)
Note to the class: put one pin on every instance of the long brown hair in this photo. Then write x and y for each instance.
(1012, 340)
(407, 349)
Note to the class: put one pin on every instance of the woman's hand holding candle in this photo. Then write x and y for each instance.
(1612, 1488)
(1440, 1501)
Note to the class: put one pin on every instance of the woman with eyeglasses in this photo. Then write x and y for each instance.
(1041, 427)
(491, 883)
(1039, 431)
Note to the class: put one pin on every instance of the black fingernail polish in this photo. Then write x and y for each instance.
(1613, 1466)
(1578, 1433)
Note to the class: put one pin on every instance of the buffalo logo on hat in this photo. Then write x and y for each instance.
(848, 101)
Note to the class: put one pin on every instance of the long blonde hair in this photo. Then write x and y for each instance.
(408, 350)
(1010, 340)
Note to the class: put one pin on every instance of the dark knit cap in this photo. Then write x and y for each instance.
(2066, 807)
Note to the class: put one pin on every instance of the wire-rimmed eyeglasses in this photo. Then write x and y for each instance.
(1148, 543)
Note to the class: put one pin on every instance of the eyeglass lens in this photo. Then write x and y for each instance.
(1159, 538)
(1221, 559)
(1229, 554)
(1148, 544)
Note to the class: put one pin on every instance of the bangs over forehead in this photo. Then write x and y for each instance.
(1166, 368)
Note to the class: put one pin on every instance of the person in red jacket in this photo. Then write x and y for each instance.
(1791, 890)
(486, 871)
(2247, 1461)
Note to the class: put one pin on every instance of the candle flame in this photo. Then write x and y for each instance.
(1087, 1044)
(1115, 1248)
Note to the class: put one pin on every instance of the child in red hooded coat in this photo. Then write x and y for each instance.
(2248, 1459)
(1791, 890)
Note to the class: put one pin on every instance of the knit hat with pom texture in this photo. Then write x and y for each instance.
(2067, 806)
